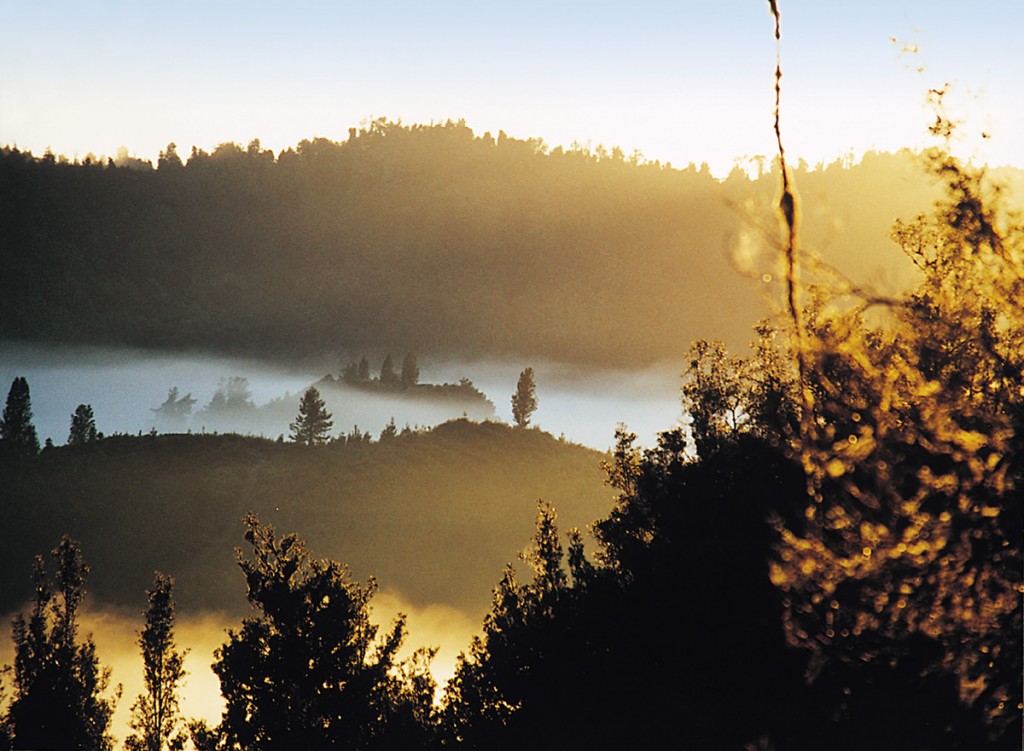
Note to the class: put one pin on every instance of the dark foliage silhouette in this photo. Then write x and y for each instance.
(17, 433)
(310, 670)
(524, 400)
(156, 722)
(58, 698)
(312, 426)
(83, 426)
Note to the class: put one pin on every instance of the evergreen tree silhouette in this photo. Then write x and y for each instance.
(17, 433)
(313, 425)
(156, 721)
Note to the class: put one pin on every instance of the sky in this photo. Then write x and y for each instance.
(678, 81)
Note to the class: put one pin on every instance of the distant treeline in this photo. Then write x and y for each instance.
(425, 238)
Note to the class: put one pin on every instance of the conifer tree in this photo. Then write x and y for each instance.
(313, 425)
(17, 433)
(388, 377)
(390, 431)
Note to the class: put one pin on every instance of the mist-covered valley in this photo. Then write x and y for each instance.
(413, 276)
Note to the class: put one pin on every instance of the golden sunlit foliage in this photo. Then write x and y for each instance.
(912, 445)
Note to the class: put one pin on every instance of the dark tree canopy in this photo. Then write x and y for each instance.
(17, 433)
(83, 426)
(388, 377)
(410, 371)
(310, 671)
(313, 425)
(58, 697)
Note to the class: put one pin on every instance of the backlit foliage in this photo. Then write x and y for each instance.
(912, 446)
(312, 670)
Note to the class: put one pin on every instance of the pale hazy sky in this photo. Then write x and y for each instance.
(677, 80)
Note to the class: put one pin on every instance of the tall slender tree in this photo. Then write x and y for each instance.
(388, 377)
(524, 400)
(17, 433)
(156, 722)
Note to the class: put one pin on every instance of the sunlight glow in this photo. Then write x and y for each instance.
(683, 84)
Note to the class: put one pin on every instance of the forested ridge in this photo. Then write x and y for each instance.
(415, 237)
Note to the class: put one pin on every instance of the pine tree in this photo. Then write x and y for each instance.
(313, 425)
(83, 426)
(17, 433)
(524, 401)
(156, 721)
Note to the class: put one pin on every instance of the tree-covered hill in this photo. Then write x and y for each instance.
(416, 238)
(433, 514)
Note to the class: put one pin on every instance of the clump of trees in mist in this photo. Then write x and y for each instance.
(359, 373)
(828, 555)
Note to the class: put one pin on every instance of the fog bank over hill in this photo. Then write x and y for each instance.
(126, 386)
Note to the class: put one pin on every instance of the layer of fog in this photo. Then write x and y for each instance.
(124, 387)
(116, 632)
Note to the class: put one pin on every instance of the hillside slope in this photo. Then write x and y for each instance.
(434, 515)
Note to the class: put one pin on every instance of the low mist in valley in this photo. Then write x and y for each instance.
(126, 387)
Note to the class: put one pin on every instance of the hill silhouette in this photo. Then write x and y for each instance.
(433, 514)
(421, 238)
